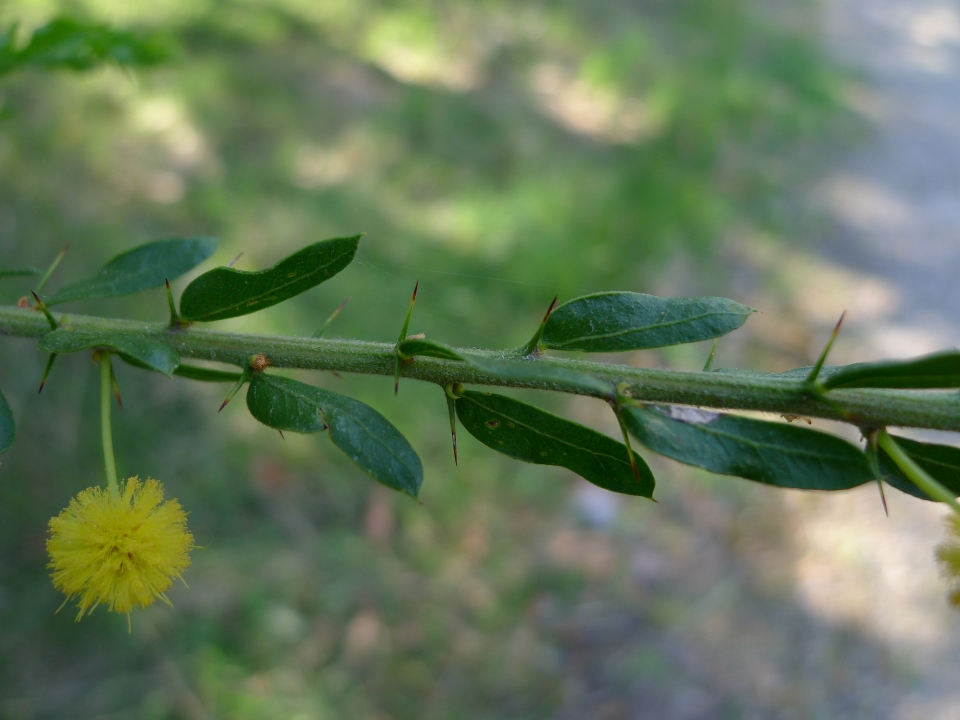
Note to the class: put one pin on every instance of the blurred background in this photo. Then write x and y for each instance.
(799, 156)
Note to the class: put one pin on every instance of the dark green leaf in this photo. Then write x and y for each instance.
(8, 428)
(66, 43)
(141, 268)
(360, 431)
(506, 368)
(772, 453)
(940, 370)
(942, 463)
(194, 372)
(533, 435)
(139, 351)
(22, 272)
(616, 321)
(225, 293)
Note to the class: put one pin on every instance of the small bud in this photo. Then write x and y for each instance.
(259, 362)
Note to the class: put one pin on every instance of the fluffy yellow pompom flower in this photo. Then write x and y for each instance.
(949, 556)
(123, 550)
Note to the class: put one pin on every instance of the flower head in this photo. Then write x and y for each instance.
(948, 555)
(121, 549)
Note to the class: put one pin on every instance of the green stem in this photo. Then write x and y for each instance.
(917, 475)
(106, 428)
(937, 410)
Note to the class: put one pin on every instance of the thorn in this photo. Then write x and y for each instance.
(883, 497)
(532, 348)
(551, 308)
(452, 412)
(174, 315)
(116, 392)
(46, 371)
(244, 376)
(330, 319)
(53, 323)
(281, 434)
(53, 266)
(336, 374)
(708, 366)
(626, 442)
(403, 334)
(815, 371)
(230, 264)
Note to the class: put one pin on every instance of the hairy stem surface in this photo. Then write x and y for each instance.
(869, 408)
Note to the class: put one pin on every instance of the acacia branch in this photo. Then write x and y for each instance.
(939, 410)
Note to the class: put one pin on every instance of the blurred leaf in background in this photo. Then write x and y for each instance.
(66, 43)
(500, 153)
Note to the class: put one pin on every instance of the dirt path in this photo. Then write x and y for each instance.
(897, 201)
(898, 198)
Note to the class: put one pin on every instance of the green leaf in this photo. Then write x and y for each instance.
(617, 321)
(366, 436)
(942, 463)
(141, 268)
(514, 369)
(21, 272)
(225, 293)
(771, 453)
(940, 370)
(139, 351)
(8, 428)
(195, 372)
(533, 435)
(67, 43)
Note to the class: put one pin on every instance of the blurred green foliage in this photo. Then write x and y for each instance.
(66, 43)
(500, 153)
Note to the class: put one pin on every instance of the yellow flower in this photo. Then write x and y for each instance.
(949, 556)
(121, 550)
